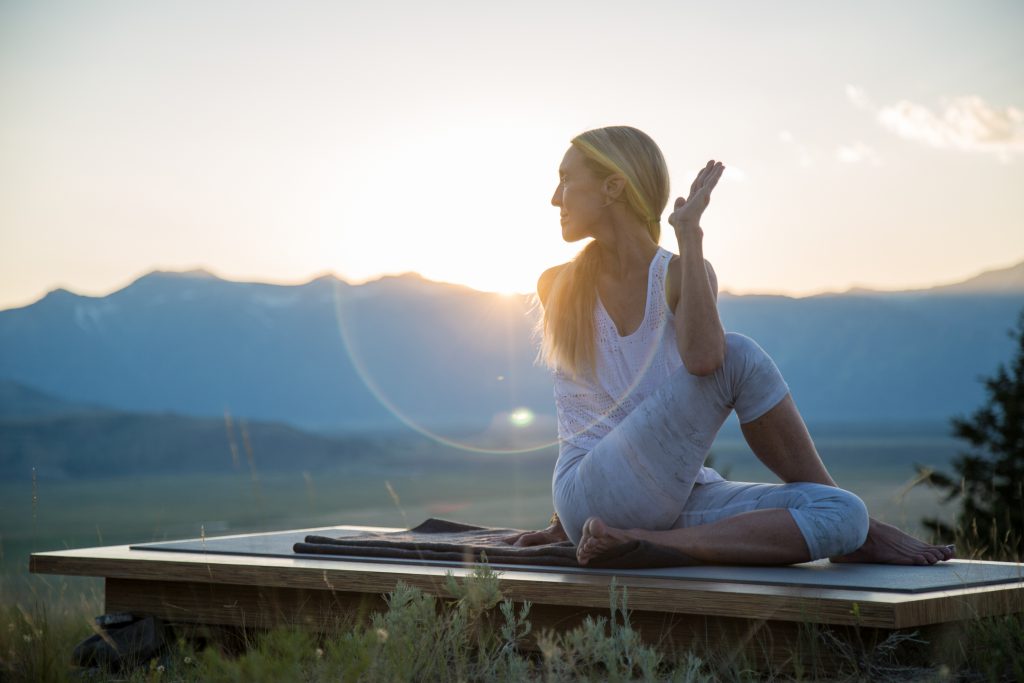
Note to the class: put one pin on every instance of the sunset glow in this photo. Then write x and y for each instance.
(290, 141)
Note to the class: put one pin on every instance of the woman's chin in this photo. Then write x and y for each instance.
(569, 236)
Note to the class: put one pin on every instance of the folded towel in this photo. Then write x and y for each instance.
(438, 539)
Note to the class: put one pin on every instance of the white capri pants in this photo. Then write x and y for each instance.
(641, 475)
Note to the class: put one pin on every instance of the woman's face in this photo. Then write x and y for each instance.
(579, 196)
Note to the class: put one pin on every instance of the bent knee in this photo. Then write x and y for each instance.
(745, 356)
(573, 528)
(751, 379)
(835, 523)
(853, 519)
(571, 513)
(739, 345)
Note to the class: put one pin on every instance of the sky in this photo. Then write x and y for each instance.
(872, 144)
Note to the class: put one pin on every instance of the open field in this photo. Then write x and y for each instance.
(506, 490)
(48, 614)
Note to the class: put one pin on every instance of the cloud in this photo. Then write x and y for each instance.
(858, 97)
(736, 174)
(967, 123)
(804, 157)
(858, 152)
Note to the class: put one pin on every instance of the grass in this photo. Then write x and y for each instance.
(472, 634)
(475, 634)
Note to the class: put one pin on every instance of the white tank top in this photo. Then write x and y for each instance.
(628, 370)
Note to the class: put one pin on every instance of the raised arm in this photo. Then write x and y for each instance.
(699, 331)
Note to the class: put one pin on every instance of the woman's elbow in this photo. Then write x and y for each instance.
(704, 364)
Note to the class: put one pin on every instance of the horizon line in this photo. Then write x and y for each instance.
(201, 271)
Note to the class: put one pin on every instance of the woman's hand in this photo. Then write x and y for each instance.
(685, 217)
(553, 534)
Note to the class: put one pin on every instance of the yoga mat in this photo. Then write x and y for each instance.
(821, 574)
(438, 539)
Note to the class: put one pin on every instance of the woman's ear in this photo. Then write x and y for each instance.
(614, 186)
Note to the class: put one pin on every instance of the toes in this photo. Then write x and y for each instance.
(926, 555)
(932, 555)
(582, 554)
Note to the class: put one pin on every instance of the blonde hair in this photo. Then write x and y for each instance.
(567, 325)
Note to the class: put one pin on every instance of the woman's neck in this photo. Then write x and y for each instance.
(624, 248)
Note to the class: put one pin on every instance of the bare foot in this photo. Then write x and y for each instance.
(888, 545)
(598, 538)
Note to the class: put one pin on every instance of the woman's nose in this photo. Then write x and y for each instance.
(556, 198)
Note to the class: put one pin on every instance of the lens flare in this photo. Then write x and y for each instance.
(519, 417)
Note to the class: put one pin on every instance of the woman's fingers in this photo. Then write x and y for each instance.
(532, 538)
(688, 211)
(701, 175)
(542, 538)
(707, 178)
(714, 176)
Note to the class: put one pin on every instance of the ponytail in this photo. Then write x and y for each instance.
(567, 325)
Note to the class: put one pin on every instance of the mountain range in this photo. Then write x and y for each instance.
(332, 356)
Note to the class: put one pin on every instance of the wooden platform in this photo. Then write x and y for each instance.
(759, 620)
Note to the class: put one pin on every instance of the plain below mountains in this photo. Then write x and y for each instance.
(331, 356)
(46, 437)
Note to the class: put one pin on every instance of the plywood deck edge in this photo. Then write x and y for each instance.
(670, 596)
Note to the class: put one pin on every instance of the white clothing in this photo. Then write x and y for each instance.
(628, 370)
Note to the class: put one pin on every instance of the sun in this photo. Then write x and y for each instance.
(468, 203)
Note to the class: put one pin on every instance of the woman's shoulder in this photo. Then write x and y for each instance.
(546, 279)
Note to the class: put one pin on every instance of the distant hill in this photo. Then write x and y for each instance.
(46, 437)
(101, 444)
(1003, 281)
(1009, 281)
(20, 401)
(199, 345)
(328, 355)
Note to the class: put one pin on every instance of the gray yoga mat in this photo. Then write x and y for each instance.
(821, 574)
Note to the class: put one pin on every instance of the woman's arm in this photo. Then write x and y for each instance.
(699, 331)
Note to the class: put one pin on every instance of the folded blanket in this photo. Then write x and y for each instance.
(438, 539)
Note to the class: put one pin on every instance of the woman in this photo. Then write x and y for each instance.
(645, 376)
